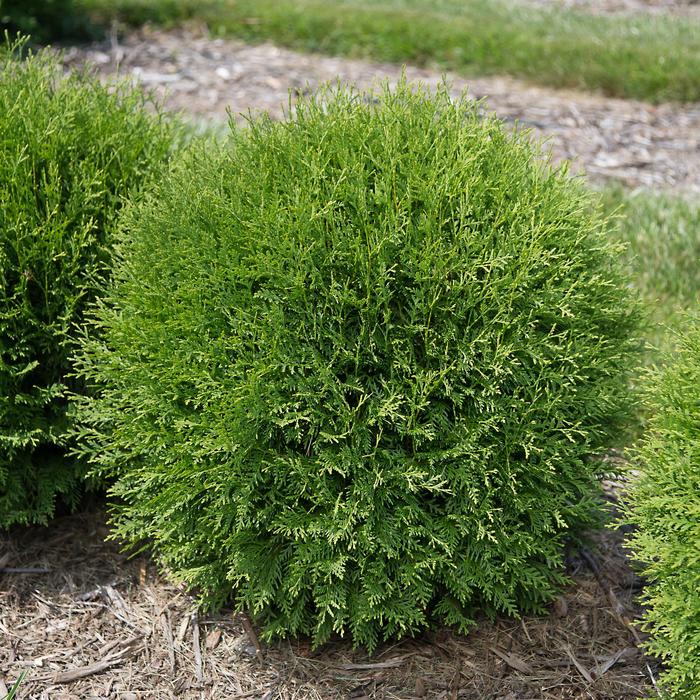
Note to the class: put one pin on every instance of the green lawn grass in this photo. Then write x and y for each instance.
(663, 236)
(650, 58)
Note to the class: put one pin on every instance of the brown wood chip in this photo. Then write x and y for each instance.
(198, 671)
(515, 662)
(389, 663)
(213, 639)
(84, 671)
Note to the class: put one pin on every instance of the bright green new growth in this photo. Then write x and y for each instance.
(70, 151)
(665, 505)
(355, 372)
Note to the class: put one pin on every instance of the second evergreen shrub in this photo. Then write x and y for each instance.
(71, 150)
(355, 372)
(664, 505)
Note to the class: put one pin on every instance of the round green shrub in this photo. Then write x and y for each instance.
(664, 507)
(355, 371)
(70, 151)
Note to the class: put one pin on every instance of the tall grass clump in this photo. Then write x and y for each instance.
(355, 372)
(71, 150)
(664, 507)
(662, 234)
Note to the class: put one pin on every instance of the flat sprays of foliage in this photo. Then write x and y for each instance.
(355, 371)
(71, 150)
(664, 505)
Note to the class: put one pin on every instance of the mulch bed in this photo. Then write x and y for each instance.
(86, 622)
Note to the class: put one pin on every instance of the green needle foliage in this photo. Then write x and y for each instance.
(70, 151)
(664, 504)
(354, 373)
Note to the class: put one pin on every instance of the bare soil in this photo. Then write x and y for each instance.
(636, 143)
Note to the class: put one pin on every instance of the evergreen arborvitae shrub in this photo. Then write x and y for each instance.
(70, 151)
(664, 507)
(355, 372)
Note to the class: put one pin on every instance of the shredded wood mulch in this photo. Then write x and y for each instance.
(86, 622)
(639, 144)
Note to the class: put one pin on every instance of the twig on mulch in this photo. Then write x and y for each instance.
(585, 674)
(625, 653)
(198, 673)
(169, 641)
(30, 570)
(389, 663)
(250, 631)
(85, 671)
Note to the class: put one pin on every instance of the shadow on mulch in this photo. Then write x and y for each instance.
(91, 623)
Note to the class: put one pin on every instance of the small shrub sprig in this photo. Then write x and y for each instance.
(354, 373)
(70, 151)
(664, 505)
